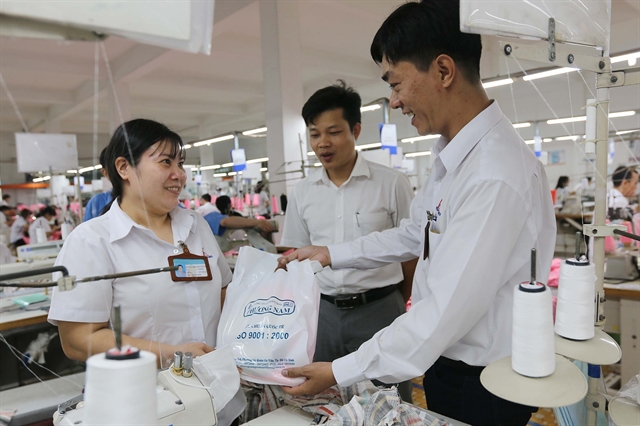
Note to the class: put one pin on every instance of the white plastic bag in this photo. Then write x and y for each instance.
(270, 319)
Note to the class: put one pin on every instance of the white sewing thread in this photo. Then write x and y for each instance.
(533, 349)
(121, 392)
(576, 307)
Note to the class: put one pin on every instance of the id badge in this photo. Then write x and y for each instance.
(189, 266)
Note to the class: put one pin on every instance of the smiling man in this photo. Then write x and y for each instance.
(485, 205)
(346, 199)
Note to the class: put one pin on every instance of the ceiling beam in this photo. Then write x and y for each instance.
(186, 106)
(46, 64)
(345, 65)
(180, 80)
(129, 66)
(42, 96)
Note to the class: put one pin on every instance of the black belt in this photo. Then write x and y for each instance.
(349, 301)
(460, 366)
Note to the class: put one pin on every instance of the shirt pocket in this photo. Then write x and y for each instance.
(366, 223)
(434, 242)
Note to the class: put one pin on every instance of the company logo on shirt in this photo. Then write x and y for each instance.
(272, 305)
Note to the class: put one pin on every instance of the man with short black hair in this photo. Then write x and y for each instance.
(485, 205)
(348, 198)
(205, 205)
(5, 200)
(625, 183)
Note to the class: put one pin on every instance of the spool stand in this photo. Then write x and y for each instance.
(600, 349)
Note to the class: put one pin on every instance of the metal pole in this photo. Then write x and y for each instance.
(385, 111)
(599, 217)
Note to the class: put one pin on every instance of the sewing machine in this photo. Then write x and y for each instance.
(11, 268)
(621, 266)
(49, 249)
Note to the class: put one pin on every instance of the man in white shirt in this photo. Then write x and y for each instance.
(484, 207)
(625, 183)
(348, 198)
(6, 198)
(206, 207)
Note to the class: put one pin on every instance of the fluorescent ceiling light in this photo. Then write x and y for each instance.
(41, 179)
(530, 142)
(258, 160)
(497, 83)
(227, 165)
(187, 146)
(369, 145)
(263, 169)
(215, 166)
(417, 154)
(584, 118)
(622, 114)
(86, 169)
(567, 120)
(521, 125)
(311, 153)
(317, 164)
(232, 173)
(72, 171)
(547, 140)
(628, 57)
(97, 166)
(219, 174)
(568, 138)
(624, 132)
(370, 107)
(189, 166)
(254, 131)
(214, 140)
(549, 73)
(419, 138)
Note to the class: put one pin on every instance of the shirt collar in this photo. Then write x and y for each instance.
(361, 168)
(120, 224)
(467, 138)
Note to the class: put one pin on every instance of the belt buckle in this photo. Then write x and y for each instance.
(345, 302)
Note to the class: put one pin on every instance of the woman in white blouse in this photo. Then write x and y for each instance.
(141, 228)
(43, 221)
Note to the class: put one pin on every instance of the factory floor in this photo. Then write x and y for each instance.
(544, 416)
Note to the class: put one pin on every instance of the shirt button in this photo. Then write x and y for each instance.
(339, 290)
(195, 311)
(176, 251)
(339, 216)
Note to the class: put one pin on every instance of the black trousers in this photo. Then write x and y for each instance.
(455, 391)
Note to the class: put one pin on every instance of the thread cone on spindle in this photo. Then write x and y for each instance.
(533, 348)
(121, 392)
(575, 310)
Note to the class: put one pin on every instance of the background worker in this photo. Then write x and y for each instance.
(485, 205)
(98, 202)
(223, 218)
(19, 228)
(625, 183)
(263, 200)
(205, 205)
(43, 221)
(347, 198)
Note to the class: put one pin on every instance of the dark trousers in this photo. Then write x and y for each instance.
(456, 392)
(342, 331)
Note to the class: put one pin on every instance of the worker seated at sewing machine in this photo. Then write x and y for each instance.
(621, 252)
(226, 221)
